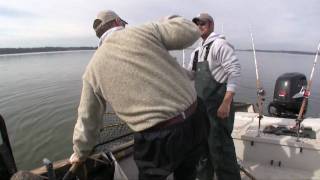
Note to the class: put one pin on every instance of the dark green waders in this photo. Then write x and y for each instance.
(221, 159)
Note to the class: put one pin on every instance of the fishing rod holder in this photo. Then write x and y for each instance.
(260, 116)
(298, 127)
(49, 166)
(261, 99)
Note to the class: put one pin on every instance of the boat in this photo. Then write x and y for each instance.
(271, 155)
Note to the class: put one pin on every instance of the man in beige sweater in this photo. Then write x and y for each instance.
(146, 87)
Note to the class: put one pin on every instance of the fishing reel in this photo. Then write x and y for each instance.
(261, 93)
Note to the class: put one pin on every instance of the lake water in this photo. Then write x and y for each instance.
(39, 95)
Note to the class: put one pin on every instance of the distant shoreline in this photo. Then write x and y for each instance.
(8, 51)
(279, 51)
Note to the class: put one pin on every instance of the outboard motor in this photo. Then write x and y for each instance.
(288, 95)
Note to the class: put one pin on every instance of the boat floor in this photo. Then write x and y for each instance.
(130, 168)
(259, 171)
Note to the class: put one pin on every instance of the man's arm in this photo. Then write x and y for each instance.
(177, 33)
(231, 66)
(89, 122)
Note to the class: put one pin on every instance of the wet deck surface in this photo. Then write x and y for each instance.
(130, 169)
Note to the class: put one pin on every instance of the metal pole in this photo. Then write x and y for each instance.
(183, 58)
(222, 29)
(306, 95)
(260, 91)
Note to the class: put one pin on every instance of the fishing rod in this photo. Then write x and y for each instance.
(306, 95)
(260, 91)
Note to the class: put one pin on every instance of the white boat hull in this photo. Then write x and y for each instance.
(272, 156)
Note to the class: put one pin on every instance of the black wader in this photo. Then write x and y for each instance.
(221, 159)
(175, 149)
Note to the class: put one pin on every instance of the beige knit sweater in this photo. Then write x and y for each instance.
(135, 73)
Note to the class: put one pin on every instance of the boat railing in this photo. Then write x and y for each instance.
(115, 137)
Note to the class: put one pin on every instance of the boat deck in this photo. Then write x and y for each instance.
(130, 168)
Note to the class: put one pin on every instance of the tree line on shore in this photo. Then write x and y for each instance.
(279, 51)
(41, 49)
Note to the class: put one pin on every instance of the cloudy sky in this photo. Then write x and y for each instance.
(276, 24)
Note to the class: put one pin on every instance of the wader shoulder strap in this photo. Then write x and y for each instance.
(207, 50)
(195, 60)
(195, 57)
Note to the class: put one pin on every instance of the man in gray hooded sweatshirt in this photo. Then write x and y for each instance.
(217, 73)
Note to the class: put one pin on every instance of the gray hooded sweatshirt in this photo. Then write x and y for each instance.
(223, 63)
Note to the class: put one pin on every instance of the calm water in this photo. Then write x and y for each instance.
(39, 95)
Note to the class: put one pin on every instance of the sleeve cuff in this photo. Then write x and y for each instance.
(231, 87)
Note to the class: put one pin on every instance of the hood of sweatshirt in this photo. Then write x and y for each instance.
(213, 36)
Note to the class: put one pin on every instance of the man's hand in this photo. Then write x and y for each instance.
(74, 159)
(168, 17)
(223, 111)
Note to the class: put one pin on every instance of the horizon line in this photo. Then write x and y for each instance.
(20, 50)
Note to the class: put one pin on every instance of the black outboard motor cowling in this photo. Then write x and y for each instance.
(288, 95)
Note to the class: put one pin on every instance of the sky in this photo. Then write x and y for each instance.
(275, 24)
